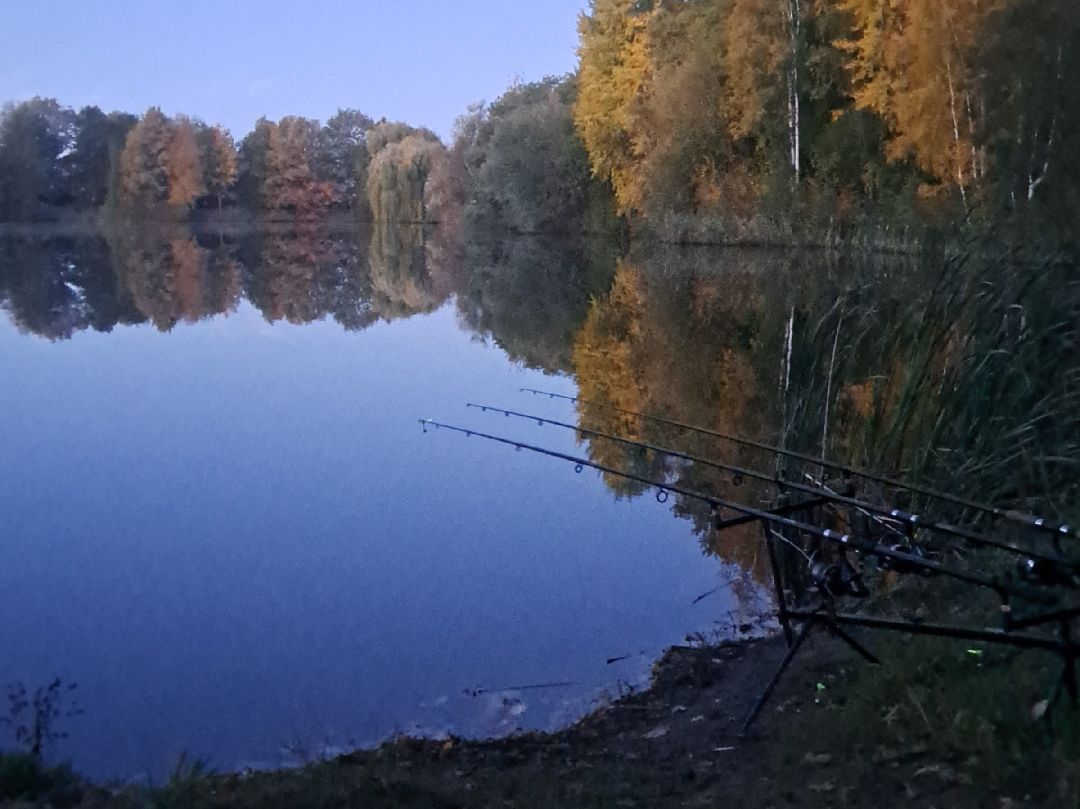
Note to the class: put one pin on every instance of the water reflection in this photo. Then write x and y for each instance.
(734, 341)
(823, 352)
(56, 286)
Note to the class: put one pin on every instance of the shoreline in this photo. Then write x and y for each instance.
(675, 743)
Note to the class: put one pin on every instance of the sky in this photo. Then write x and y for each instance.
(232, 61)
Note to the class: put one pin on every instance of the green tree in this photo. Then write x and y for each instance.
(343, 157)
(252, 164)
(34, 135)
(528, 170)
(1033, 108)
(89, 159)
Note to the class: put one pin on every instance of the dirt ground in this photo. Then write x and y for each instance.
(678, 744)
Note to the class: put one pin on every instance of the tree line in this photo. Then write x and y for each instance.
(54, 158)
(946, 108)
(905, 112)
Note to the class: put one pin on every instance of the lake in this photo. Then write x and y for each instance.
(225, 524)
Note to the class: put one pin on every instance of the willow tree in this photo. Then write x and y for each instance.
(396, 179)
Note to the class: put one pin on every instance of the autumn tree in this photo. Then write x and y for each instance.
(680, 119)
(755, 50)
(913, 63)
(614, 69)
(144, 161)
(604, 361)
(291, 183)
(219, 161)
(184, 164)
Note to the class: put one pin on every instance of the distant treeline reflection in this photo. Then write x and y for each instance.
(55, 287)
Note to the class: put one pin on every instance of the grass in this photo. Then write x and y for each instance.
(25, 778)
(975, 389)
(979, 709)
(187, 785)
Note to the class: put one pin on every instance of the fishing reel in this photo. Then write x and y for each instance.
(1048, 572)
(838, 579)
(902, 566)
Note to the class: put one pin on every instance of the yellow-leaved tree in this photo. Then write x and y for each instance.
(184, 164)
(914, 64)
(614, 70)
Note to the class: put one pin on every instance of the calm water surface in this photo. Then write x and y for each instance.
(223, 521)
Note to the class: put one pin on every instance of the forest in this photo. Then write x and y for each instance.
(940, 109)
(797, 116)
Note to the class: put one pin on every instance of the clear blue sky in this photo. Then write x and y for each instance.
(230, 61)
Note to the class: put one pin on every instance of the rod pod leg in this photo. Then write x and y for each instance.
(1068, 676)
(778, 583)
(754, 711)
(843, 635)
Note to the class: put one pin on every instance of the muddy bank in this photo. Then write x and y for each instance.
(676, 744)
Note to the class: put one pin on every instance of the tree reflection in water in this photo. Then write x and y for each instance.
(754, 343)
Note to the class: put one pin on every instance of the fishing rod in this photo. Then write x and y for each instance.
(1011, 515)
(845, 540)
(911, 520)
(1007, 638)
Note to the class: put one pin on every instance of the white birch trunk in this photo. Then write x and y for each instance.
(793, 12)
(1035, 180)
(956, 135)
